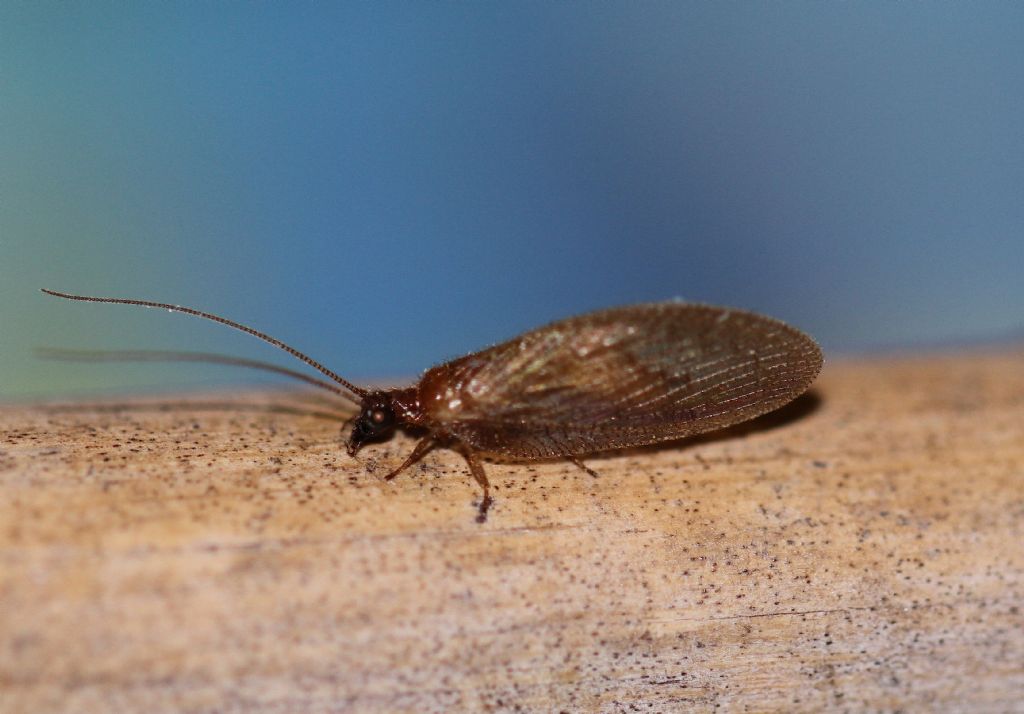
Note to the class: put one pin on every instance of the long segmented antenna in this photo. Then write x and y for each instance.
(359, 392)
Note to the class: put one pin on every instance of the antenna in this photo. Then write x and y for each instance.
(357, 391)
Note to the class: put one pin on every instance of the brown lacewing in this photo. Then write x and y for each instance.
(611, 379)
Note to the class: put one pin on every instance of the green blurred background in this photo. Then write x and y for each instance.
(386, 185)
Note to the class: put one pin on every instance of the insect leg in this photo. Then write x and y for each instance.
(425, 444)
(582, 466)
(348, 422)
(477, 469)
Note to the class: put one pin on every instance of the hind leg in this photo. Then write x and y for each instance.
(583, 466)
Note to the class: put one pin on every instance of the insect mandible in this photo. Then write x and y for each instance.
(611, 379)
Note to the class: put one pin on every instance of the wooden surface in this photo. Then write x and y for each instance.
(862, 549)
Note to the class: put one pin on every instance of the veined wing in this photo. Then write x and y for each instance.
(625, 377)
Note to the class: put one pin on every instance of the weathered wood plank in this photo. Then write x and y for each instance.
(860, 550)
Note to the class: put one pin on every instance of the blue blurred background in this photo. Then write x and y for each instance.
(386, 185)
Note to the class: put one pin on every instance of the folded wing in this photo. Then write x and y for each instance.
(626, 377)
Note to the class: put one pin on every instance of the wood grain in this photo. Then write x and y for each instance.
(862, 549)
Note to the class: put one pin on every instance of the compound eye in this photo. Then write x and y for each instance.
(377, 419)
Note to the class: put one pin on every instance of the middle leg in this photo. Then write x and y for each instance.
(477, 469)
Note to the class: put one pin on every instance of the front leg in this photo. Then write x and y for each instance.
(419, 451)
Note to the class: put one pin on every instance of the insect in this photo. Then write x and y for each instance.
(622, 377)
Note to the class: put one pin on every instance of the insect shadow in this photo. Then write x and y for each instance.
(179, 405)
